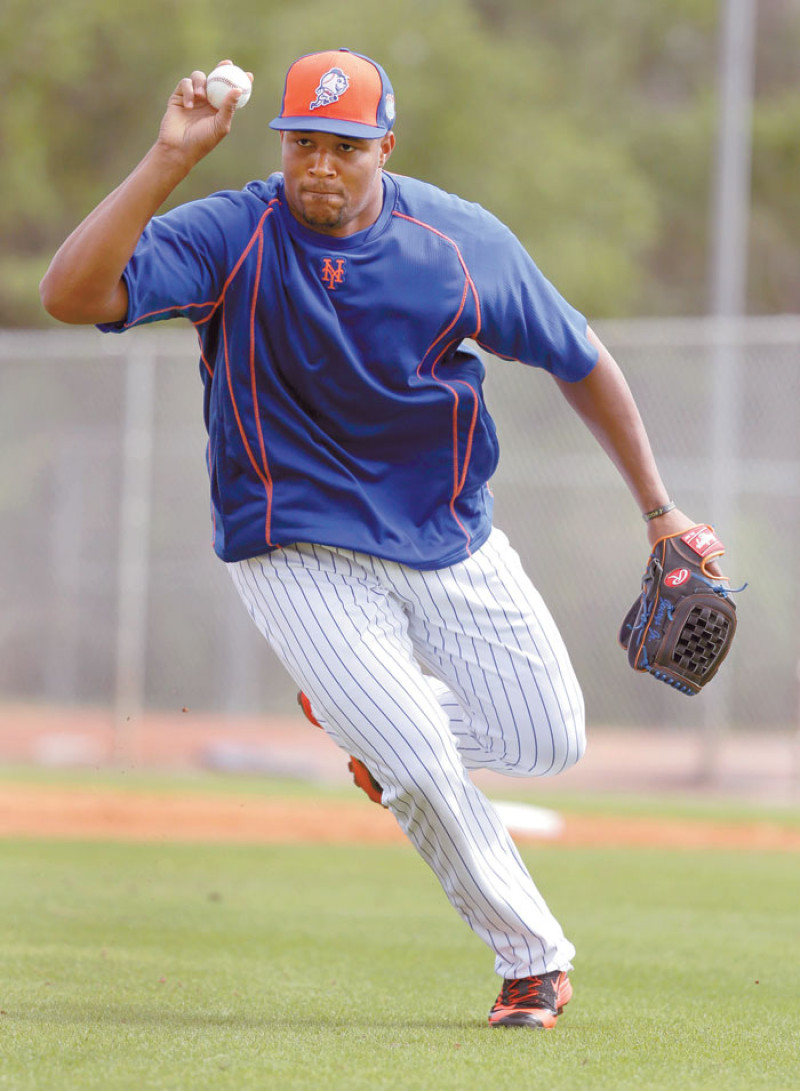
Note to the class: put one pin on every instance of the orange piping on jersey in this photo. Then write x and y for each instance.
(499, 355)
(203, 360)
(459, 481)
(473, 422)
(462, 263)
(258, 471)
(459, 475)
(456, 403)
(257, 236)
(213, 303)
(448, 386)
(254, 391)
(264, 474)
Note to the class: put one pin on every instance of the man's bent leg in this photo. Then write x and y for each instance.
(341, 633)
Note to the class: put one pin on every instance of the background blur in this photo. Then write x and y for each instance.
(590, 128)
(593, 130)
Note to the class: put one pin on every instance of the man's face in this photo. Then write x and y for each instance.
(333, 183)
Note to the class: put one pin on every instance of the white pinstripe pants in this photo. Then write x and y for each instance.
(355, 633)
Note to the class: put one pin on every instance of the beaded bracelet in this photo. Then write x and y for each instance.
(654, 514)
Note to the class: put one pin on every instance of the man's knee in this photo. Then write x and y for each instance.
(569, 739)
(548, 745)
(575, 741)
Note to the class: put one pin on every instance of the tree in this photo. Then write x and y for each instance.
(588, 128)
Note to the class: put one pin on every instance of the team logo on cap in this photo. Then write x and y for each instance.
(331, 87)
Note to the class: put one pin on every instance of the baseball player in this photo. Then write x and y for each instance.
(349, 455)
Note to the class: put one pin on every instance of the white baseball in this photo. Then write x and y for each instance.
(223, 79)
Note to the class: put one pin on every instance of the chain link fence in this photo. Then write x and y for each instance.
(111, 594)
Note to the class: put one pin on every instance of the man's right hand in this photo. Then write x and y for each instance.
(191, 126)
(84, 283)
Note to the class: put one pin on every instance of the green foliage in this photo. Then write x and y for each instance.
(775, 238)
(183, 967)
(587, 127)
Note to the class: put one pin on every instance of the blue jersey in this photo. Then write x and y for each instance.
(342, 405)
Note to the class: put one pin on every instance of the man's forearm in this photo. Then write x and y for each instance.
(84, 282)
(604, 402)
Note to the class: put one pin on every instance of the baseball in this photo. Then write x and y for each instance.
(222, 79)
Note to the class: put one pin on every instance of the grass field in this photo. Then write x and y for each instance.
(189, 967)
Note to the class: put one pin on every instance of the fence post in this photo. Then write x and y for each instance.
(727, 383)
(728, 291)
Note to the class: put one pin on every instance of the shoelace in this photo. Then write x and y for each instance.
(527, 989)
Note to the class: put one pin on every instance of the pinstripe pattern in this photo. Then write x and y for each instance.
(355, 633)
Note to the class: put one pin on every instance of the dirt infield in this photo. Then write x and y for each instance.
(758, 769)
(95, 814)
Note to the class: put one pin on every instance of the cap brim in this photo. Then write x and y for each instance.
(328, 125)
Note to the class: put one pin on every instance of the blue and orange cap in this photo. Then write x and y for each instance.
(337, 92)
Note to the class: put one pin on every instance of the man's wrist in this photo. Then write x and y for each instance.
(662, 509)
(172, 162)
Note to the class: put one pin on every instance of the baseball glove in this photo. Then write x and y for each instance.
(681, 626)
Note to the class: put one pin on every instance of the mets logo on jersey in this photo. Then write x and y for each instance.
(333, 273)
(331, 88)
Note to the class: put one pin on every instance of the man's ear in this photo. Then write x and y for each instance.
(387, 147)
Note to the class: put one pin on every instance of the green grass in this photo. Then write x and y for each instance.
(176, 966)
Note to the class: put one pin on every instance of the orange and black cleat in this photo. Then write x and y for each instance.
(362, 777)
(533, 1002)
